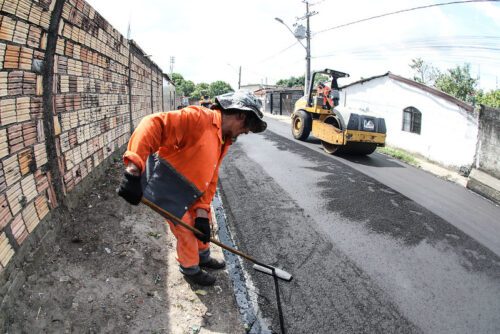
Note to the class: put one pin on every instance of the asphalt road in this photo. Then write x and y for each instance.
(366, 256)
(471, 213)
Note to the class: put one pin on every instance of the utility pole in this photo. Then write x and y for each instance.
(301, 34)
(239, 79)
(172, 61)
(308, 44)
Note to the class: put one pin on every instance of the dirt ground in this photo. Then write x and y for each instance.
(112, 269)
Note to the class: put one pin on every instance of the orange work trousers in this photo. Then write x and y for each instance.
(188, 246)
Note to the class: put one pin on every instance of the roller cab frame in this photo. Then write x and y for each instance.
(360, 135)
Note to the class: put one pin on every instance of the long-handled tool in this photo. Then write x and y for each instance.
(270, 270)
(259, 266)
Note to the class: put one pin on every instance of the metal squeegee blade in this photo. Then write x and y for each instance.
(281, 274)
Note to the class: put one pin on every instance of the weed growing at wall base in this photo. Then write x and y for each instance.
(398, 154)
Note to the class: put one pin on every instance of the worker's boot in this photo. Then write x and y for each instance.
(201, 278)
(212, 263)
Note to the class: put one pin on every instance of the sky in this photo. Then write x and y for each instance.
(211, 40)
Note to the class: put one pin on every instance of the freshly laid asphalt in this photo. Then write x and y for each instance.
(367, 255)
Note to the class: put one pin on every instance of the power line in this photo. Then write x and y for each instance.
(401, 11)
(276, 54)
(372, 18)
(474, 44)
(316, 3)
(371, 55)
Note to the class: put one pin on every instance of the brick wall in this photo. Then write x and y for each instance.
(71, 89)
(157, 93)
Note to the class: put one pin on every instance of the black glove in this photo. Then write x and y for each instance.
(130, 188)
(202, 225)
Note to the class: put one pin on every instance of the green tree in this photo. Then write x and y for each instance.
(321, 78)
(458, 83)
(200, 90)
(299, 81)
(490, 99)
(178, 81)
(425, 73)
(291, 82)
(187, 87)
(219, 87)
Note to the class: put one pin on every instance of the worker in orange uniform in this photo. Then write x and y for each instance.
(324, 91)
(173, 160)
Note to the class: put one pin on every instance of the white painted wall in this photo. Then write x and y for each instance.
(448, 132)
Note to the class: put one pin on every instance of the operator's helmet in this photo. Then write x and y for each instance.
(321, 85)
(247, 102)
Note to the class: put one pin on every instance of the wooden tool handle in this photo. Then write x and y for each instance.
(177, 220)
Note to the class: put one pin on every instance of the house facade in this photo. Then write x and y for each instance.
(419, 118)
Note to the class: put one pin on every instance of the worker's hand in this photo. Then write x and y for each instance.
(130, 188)
(202, 225)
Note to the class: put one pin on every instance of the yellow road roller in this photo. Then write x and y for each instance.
(317, 113)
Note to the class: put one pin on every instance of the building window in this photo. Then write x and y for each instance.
(412, 120)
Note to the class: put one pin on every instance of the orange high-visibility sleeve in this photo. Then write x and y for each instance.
(188, 150)
(161, 129)
(206, 199)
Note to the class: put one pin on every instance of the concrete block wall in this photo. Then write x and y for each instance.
(488, 148)
(71, 90)
(140, 85)
(157, 90)
(485, 177)
(26, 191)
(91, 114)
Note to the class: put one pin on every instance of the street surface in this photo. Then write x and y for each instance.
(375, 246)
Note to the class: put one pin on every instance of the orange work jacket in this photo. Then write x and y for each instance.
(179, 153)
(326, 95)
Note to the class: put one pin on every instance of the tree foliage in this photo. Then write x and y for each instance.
(291, 82)
(180, 84)
(425, 73)
(188, 88)
(219, 87)
(490, 99)
(177, 78)
(299, 81)
(321, 78)
(200, 90)
(458, 83)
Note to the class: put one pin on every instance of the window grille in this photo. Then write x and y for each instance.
(412, 120)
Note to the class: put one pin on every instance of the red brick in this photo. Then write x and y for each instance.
(25, 161)
(42, 182)
(41, 206)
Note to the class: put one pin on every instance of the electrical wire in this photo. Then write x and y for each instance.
(399, 12)
(372, 18)
(316, 3)
(474, 44)
(482, 42)
(276, 54)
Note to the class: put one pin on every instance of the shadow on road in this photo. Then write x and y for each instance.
(373, 160)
